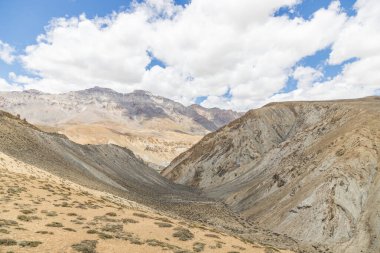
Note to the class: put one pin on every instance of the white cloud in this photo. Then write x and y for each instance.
(5, 86)
(210, 47)
(20, 79)
(6, 52)
(306, 76)
(360, 39)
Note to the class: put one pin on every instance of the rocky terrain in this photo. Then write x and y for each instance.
(60, 196)
(155, 128)
(309, 170)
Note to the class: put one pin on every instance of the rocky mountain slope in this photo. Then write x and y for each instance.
(46, 173)
(306, 169)
(154, 128)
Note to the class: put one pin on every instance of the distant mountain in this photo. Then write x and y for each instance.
(154, 128)
(310, 170)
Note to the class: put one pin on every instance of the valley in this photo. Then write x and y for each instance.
(156, 129)
(287, 177)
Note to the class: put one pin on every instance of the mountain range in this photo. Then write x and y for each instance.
(287, 177)
(155, 128)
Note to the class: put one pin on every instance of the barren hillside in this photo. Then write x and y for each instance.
(45, 213)
(306, 169)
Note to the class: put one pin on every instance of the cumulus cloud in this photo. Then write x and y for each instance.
(5, 86)
(210, 48)
(358, 39)
(6, 52)
(306, 76)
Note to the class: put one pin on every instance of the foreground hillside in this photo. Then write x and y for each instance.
(306, 169)
(44, 213)
(56, 172)
(154, 128)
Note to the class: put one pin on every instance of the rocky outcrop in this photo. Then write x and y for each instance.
(306, 169)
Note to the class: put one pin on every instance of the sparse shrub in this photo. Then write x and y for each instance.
(183, 234)
(51, 213)
(182, 251)
(153, 242)
(112, 214)
(340, 152)
(70, 229)
(163, 219)
(31, 244)
(55, 224)
(126, 221)
(26, 211)
(198, 247)
(4, 231)
(270, 250)
(7, 242)
(219, 244)
(212, 236)
(43, 232)
(238, 247)
(92, 231)
(141, 215)
(112, 228)
(27, 218)
(86, 246)
(65, 204)
(8, 222)
(163, 224)
(16, 190)
(105, 236)
(135, 241)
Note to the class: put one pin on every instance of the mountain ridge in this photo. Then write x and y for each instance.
(306, 169)
(153, 127)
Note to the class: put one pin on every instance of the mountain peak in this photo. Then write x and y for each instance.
(33, 91)
(142, 92)
(97, 89)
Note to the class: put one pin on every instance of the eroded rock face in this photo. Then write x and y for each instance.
(306, 169)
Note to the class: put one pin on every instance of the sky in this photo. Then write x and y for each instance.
(232, 54)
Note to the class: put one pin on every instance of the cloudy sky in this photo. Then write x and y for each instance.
(236, 54)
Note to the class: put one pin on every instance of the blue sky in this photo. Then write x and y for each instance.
(23, 20)
(306, 9)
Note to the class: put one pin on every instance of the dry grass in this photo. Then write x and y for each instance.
(90, 221)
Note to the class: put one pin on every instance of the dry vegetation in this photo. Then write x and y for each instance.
(43, 213)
